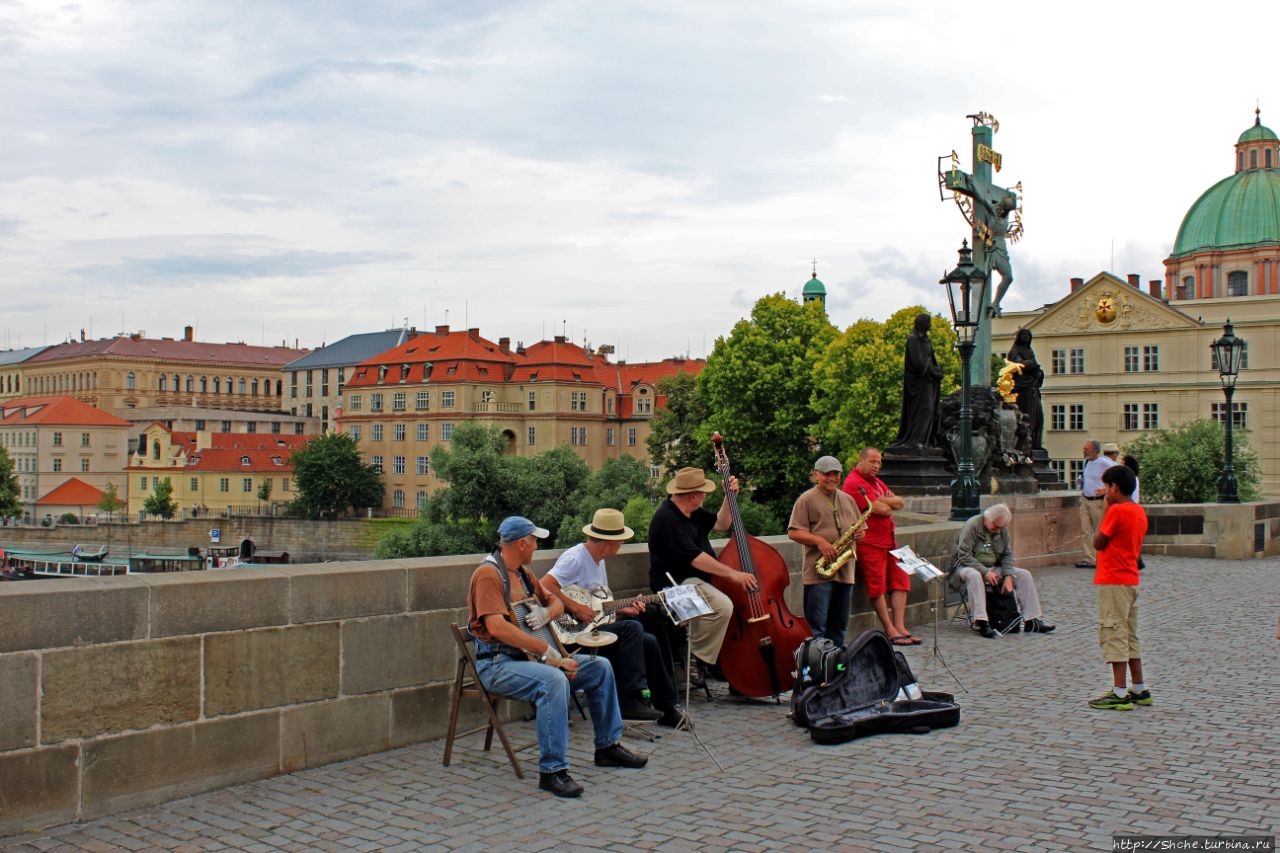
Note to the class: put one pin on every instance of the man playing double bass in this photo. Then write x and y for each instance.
(679, 546)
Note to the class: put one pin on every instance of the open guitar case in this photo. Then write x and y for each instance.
(862, 698)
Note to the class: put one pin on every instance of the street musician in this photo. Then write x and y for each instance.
(822, 516)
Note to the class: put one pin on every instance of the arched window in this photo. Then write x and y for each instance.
(397, 498)
(279, 387)
(229, 386)
(255, 387)
(1239, 161)
(1268, 158)
(217, 385)
(1187, 289)
(240, 386)
(204, 384)
(177, 383)
(1253, 159)
(129, 381)
(164, 383)
(1238, 283)
(191, 383)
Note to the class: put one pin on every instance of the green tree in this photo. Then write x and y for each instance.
(110, 500)
(264, 491)
(758, 388)
(672, 438)
(857, 381)
(331, 477)
(10, 489)
(160, 502)
(613, 485)
(1182, 464)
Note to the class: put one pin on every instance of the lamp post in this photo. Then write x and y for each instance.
(1229, 352)
(967, 296)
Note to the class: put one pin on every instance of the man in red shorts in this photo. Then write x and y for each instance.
(877, 568)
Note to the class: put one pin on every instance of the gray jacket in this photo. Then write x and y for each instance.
(973, 539)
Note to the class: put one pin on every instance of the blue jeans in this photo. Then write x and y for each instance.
(826, 609)
(548, 689)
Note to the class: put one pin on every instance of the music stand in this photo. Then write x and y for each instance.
(938, 583)
(913, 564)
(683, 619)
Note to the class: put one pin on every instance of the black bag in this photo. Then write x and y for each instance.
(863, 700)
(1002, 610)
(818, 661)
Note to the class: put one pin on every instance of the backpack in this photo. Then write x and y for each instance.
(818, 662)
(1002, 610)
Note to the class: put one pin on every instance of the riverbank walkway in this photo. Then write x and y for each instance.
(1029, 768)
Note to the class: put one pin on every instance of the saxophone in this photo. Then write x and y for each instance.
(843, 544)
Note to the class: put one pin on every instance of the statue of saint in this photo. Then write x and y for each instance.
(1027, 386)
(921, 381)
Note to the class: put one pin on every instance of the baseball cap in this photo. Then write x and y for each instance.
(827, 464)
(515, 527)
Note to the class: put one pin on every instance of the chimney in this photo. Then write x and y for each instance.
(520, 350)
(1135, 280)
(504, 344)
(1076, 284)
(474, 334)
(442, 330)
(188, 333)
(560, 339)
(1155, 288)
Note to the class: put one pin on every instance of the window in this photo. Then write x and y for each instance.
(577, 401)
(191, 384)
(609, 436)
(255, 387)
(240, 386)
(446, 431)
(217, 385)
(1057, 417)
(204, 384)
(1077, 360)
(423, 432)
(422, 500)
(398, 401)
(57, 465)
(424, 465)
(1239, 414)
(1075, 470)
(251, 426)
(375, 402)
(486, 396)
(397, 432)
(446, 399)
(1237, 283)
(355, 402)
(224, 484)
(397, 498)
(163, 383)
(195, 484)
(245, 461)
(355, 432)
(631, 436)
(397, 464)
(84, 466)
(200, 426)
(1130, 359)
(284, 484)
(533, 402)
(247, 484)
(423, 401)
(376, 462)
(644, 403)
(57, 439)
(1075, 416)
(376, 433)
(1244, 357)
(1151, 416)
(1130, 417)
(297, 428)
(130, 381)
(142, 483)
(1059, 361)
(275, 427)
(578, 436)
(1150, 359)
(532, 436)
(226, 426)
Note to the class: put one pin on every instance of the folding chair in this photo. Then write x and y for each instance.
(466, 682)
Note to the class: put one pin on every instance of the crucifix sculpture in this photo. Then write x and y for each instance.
(994, 215)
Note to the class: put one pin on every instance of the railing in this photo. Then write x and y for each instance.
(500, 408)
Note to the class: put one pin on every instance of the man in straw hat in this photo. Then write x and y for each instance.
(638, 663)
(511, 662)
(679, 547)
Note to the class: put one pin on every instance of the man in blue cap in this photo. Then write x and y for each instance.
(514, 663)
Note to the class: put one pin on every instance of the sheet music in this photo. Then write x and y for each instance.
(685, 603)
(913, 564)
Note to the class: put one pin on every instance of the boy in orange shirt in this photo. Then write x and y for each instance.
(1119, 546)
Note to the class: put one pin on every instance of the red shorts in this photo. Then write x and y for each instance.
(877, 568)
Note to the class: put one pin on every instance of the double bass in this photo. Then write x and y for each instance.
(758, 655)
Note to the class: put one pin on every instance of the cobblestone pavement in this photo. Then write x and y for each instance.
(1030, 767)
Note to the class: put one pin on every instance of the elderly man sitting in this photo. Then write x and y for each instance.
(984, 555)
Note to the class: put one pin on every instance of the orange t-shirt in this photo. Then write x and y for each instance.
(1124, 524)
(484, 597)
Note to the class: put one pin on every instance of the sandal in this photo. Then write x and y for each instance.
(901, 641)
(915, 641)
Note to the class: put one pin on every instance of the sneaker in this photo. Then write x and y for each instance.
(560, 783)
(1038, 626)
(1143, 698)
(983, 627)
(1109, 701)
(619, 756)
(634, 709)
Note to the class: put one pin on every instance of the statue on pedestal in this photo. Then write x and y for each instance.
(1026, 385)
(921, 383)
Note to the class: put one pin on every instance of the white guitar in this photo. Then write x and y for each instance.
(602, 603)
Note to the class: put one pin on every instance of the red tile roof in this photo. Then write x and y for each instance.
(55, 411)
(189, 352)
(74, 492)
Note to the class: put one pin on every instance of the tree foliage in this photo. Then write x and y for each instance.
(615, 485)
(10, 490)
(672, 440)
(331, 477)
(1182, 464)
(110, 500)
(758, 387)
(160, 502)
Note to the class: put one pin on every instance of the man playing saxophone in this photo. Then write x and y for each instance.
(821, 517)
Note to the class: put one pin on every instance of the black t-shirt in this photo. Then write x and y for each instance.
(675, 540)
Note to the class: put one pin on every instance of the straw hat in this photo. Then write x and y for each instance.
(690, 480)
(608, 524)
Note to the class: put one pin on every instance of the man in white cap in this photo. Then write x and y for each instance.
(517, 664)
(820, 516)
(679, 547)
(638, 663)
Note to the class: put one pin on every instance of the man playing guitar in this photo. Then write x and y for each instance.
(514, 663)
(637, 656)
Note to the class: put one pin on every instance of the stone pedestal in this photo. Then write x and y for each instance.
(1046, 478)
(916, 471)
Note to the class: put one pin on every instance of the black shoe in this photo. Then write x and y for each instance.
(559, 783)
(619, 756)
(1038, 626)
(983, 627)
(671, 717)
(634, 709)
(697, 675)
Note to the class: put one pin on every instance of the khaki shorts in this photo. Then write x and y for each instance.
(1118, 622)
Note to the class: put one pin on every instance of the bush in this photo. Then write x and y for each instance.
(69, 518)
(1182, 464)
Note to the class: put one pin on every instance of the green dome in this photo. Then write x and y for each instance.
(1258, 133)
(814, 287)
(1242, 210)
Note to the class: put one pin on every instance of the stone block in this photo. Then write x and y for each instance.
(422, 713)
(149, 767)
(387, 652)
(204, 602)
(18, 691)
(104, 689)
(249, 670)
(437, 583)
(318, 593)
(38, 788)
(322, 732)
(48, 614)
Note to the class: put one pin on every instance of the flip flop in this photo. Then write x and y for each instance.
(915, 641)
(901, 641)
(1085, 564)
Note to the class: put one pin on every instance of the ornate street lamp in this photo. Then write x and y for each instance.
(967, 296)
(1228, 350)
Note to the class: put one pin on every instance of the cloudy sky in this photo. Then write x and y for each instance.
(628, 173)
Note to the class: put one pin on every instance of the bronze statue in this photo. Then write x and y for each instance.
(1027, 386)
(921, 381)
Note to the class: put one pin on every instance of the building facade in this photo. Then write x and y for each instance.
(314, 383)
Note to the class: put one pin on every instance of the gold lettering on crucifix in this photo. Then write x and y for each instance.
(986, 155)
